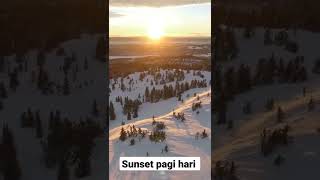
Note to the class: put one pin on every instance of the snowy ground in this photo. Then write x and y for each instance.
(147, 109)
(242, 143)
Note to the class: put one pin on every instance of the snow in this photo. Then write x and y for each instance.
(150, 109)
(180, 140)
(180, 135)
(242, 143)
(78, 104)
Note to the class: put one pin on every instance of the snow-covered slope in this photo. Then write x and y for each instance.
(180, 140)
(74, 106)
(242, 143)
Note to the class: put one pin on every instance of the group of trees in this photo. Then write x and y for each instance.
(154, 95)
(280, 38)
(40, 75)
(266, 72)
(9, 163)
(70, 143)
(228, 84)
(225, 44)
(31, 119)
(132, 132)
(196, 106)
(157, 136)
(225, 170)
(131, 107)
(270, 139)
(202, 135)
(179, 116)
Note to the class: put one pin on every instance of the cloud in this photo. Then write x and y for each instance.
(114, 14)
(155, 3)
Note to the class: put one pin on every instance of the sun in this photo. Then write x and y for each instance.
(155, 31)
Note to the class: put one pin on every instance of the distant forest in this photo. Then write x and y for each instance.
(303, 14)
(46, 23)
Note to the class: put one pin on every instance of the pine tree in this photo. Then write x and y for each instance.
(230, 124)
(11, 169)
(63, 171)
(129, 116)
(135, 113)
(83, 167)
(112, 111)
(101, 48)
(311, 104)
(3, 91)
(39, 132)
(280, 115)
(95, 110)
(51, 120)
(1, 105)
(123, 134)
(132, 142)
(66, 88)
(86, 66)
(147, 94)
(166, 148)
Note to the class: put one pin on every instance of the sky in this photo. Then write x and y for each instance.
(155, 19)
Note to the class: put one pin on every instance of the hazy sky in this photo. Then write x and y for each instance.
(160, 18)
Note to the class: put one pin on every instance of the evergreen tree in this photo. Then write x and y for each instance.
(11, 167)
(135, 113)
(280, 114)
(86, 66)
(63, 171)
(39, 131)
(95, 110)
(3, 91)
(166, 148)
(123, 134)
(66, 88)
(1, 105)
(129, 116)
(311, 104)
(132, 142)
(112, 111)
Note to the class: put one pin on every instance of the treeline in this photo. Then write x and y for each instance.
(39, 75)
(267, 71)
(268, 13)
(45, 24)
(154, 95)
(162, 62)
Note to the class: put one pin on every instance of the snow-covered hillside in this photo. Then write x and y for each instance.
(59, 80)
(148, 109)
(168, 108)
(180, 139)
(241, 142)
